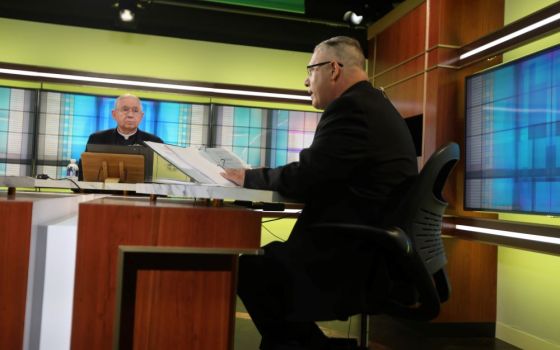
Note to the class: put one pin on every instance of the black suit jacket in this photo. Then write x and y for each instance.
(361, 152)
(112, 137)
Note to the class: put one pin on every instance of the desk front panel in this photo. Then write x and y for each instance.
(174, 309)
(15, 238)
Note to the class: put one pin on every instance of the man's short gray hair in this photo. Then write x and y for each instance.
(123, 96)
(345, 49)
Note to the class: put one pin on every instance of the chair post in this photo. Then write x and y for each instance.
(363, 331)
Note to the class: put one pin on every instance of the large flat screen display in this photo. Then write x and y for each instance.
(512, 136)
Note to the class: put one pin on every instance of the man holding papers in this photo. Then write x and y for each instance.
(362, 150)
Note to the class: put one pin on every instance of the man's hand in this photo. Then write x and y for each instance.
(237, 176)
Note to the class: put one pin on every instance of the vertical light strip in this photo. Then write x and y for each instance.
(518, 235)
(81, 78)
(425, 75)
(515, 34)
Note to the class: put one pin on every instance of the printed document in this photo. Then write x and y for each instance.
(203, 165)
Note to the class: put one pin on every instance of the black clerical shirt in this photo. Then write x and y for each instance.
(112, 137)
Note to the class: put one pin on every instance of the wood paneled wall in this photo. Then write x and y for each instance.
(415, 60)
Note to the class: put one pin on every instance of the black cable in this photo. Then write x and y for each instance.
(47, 177)
(349, 326)
(280, 218)
(283, 240)
(72, 181)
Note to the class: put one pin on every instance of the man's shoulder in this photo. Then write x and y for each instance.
(358, 90)
(356, 99)
(146, 136)
(104, 132)
(101, 136)
(362, 98)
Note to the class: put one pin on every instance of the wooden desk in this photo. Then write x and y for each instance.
(23, 252)
(174, 309)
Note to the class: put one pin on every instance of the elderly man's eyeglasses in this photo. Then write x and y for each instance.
(312, 67)
(126, 109)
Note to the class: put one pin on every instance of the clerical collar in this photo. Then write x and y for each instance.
(127, 136)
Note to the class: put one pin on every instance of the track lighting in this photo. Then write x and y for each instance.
(126, 15)
(352, 18)
(127, 10)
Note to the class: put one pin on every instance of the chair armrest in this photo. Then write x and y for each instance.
(393, 238)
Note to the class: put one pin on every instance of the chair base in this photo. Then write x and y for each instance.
(381, 325)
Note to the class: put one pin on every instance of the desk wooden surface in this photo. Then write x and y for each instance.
(174, 309)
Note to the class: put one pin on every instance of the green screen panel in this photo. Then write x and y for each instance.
(295, 6)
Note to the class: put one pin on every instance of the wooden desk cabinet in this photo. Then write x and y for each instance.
(174, 309)
(15, 238)
(23, 244)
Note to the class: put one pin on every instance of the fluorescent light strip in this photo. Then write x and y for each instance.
(81, 78)
(286, 211)
(511, 36)
(519, 235)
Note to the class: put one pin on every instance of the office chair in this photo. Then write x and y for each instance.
(412, 242)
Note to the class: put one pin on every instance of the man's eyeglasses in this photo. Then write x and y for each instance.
(126, 109)
(312, 67)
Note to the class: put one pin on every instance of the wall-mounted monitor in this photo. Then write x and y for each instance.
(512, 136)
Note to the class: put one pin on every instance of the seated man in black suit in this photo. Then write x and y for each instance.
(362, 151)
(128, 115)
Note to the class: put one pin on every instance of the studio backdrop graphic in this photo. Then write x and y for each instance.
(57, 125)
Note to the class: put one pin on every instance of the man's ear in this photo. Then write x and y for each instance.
(335, 71)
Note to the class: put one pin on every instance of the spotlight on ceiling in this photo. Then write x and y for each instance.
(352, 18)
(127, 10)
(126, 15)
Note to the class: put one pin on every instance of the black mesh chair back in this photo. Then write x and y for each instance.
(418, 218)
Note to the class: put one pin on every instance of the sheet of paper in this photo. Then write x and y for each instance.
(225, 158)
(190, 161)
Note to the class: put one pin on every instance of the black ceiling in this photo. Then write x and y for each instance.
(203, 20)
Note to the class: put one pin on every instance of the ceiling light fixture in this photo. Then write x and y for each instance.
(126, 15)
(127, 11)
(352, 18)
(147, 84)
